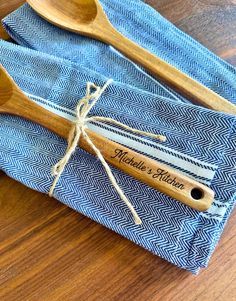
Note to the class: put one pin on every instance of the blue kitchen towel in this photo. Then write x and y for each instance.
(200, 143)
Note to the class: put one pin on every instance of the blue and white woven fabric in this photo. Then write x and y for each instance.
(200, 143)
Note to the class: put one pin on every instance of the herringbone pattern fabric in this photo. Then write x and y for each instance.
(200, 143)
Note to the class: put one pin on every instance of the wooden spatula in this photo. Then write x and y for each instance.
(87, 17)
(14, 101)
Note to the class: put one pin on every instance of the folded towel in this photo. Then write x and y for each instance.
(200, 143)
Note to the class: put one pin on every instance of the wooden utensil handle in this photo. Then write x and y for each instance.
(144, 169)
(153, 173)
(167, 73)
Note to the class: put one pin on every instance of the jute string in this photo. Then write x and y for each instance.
(79, 129)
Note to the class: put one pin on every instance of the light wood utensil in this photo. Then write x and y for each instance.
(14, 101)
(88, 18)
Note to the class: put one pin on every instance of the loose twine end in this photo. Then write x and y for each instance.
(162, 138)
(137, 220)
(78, 129)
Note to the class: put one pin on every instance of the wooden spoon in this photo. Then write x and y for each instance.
(14, 101)
(87, 17)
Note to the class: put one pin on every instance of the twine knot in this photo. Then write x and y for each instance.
(79, 126)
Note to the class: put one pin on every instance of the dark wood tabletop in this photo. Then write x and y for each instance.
(49, 252)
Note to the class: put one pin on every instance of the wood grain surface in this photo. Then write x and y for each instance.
(5, 8)
(50, 252)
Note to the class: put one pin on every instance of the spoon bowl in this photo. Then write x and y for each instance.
(83, 13)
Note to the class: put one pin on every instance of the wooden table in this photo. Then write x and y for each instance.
(50, 252)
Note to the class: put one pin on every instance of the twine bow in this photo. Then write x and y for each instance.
(79, 128)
